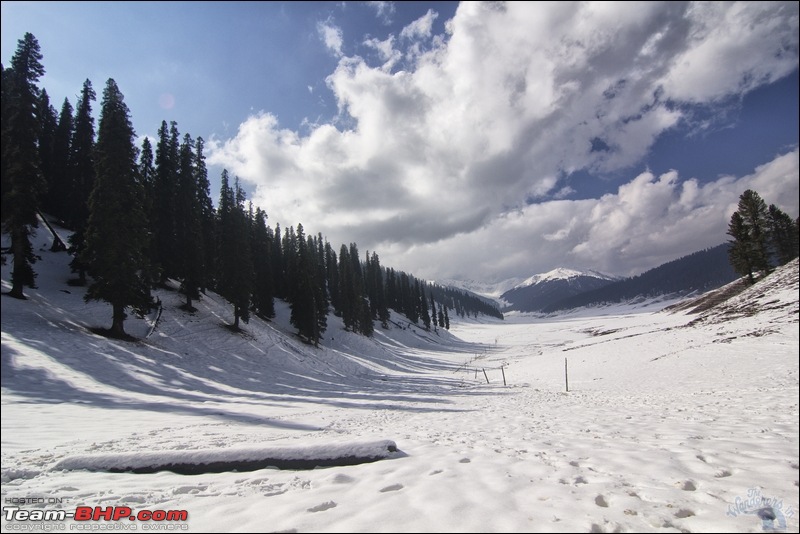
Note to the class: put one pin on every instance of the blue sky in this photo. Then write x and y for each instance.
(481, 141)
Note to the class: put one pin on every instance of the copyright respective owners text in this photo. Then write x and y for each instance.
(52, 514)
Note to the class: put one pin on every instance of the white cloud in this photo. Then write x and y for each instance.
(332, 37)
(420, 28)
(384, 10)
(386, 50)
(741, 45)
(648, 221)
(440, 158)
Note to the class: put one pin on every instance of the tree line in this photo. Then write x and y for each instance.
(142, 216)
(763, 237)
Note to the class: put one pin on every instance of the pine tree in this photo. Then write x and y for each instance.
(58, 191)
(278, 284)
(739, 249)
(235, 260)
(332, 273)
(189, 251)
(380, 292)
(346, 289)
(207, 217)
(116, 233)
(783, 236)
(81, 176)
(5, 118)
(22, 180)
(749, 250)
(48, 122)
(262, 263)
(145, 176)
(414, 299)
(321, 296)
(303, 304)
(361, 308)
(423, 308)
(166, 186)
(446, 319)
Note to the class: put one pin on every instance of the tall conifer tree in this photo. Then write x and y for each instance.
(58, 191)
(262, 263)
(207, 216)
(116, 233)
(783, 236)
(189, 250)
(749, 252)
(166, 188)
(235, 279)
(81, 175)
(48, 122)
(22, 180)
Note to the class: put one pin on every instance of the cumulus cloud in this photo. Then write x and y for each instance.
(442, 158)
(648, 221)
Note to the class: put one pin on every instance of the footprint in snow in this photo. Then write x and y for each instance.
(393, 487)
(601, 501)
(322, 507)
(464, 461)
(688, 486)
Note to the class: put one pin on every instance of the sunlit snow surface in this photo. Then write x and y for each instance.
(665, 425)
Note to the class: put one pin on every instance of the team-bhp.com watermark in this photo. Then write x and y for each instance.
(95, 518)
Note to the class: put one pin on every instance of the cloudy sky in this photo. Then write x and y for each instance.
(474, 141)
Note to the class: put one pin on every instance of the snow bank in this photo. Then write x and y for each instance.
(218, 461)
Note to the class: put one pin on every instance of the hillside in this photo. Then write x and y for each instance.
(667, 422)
(696, 273)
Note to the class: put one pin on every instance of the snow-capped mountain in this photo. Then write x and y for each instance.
(561, 273)
(570, 281)
(541, 290)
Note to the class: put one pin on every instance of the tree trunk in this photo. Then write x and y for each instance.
(17, 277)
(236, 317)
(117, 328)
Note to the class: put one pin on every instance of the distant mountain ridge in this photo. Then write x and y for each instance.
(696, 273)
(540, 291)
(564, 289)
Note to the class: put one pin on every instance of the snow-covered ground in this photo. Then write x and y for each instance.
(673, 422)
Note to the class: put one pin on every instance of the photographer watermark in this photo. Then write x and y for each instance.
(50, 515)
(770, 510)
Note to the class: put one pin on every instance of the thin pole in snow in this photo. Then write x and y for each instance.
(502, 370)
(484, 374)
(566, 375)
